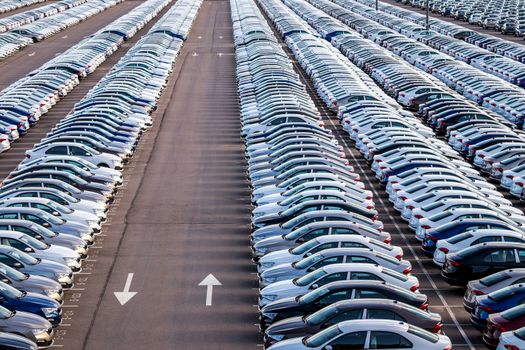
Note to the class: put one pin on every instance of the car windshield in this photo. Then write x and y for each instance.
(9, 292)
(5, 313)
(314, 295)
(320, 316)
(297, 233)
(35, 243)
(502, 294)
(514, 313)
(309, 261)
(493, 279)
(23, 257)
(58, 207)
(12, 273)
(305, 247)
(317, 340)
(50, 218)
(309, 278)
(44, 232)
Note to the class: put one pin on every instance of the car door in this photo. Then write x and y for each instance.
(388, 341)
(332, 297)
(327, 261)
(333, 277)
(349, 341)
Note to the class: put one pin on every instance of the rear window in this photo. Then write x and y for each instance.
(431, 337)
(502, 294)
(493, 279)
(459, 238)
(514, 313)
(520, 333)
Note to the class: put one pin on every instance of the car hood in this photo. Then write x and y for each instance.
(286, 325)
(27, 320)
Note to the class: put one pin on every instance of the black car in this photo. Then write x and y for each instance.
(337, 291)
(351, 309)
(482, 260)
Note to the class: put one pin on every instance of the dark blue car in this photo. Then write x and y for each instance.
(454, 228)
(38, 304)
(497, 301)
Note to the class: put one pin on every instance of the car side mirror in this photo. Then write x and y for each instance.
(328, 347)
(28, 250)
(39, 237)
(308, 254)
(6, 281)
(46, 224)
(18, 265)
(56, 213)
(315, 286)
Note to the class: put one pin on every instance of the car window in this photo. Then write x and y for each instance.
(359, 259)
(352, 245)
(13, 243)
(345, 316)
(323, 247)
(30, 195)
(382, 314)
(33, 218)
(521, 255)
(487, 239)
(367, 294)
(327, 261)
(500, 256)
(336, 296)
(8, 216)
(314, 234)
(364, 276)
(388, 340)
(354, 340)
(342, 231)
(7, 260)
(77, 151)
(61, 150)
(513, 239)
(331, 278)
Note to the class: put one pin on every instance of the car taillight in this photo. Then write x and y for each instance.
(449, 347)
(426, 227)
(444, 250)
(414, 287)
(374, 217)
(403, 198)
(423, 306)
(437, 327)
(432, 238)
(511, 347)
(399, 256)
(510, 176)
(419, 216)
(485, 308)
(455, 263)
(477, 292)
(387, 240)
(499, 327)
(397, 189)
(407, 270)
(355, 129)
(410, 207)
(369, 197)
(370, 207)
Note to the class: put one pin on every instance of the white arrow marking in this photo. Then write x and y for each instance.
(195, 54)
(220, 54)
(220, 36)
(64, 37)
(199, 37)
(125, 296)
(31, 54)
(209, 281)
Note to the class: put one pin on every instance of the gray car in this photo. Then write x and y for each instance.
(25, 263)
(31, 326)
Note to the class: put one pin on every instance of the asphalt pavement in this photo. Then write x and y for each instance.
(183, 214)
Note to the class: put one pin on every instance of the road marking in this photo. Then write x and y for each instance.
(125, 296)
(31, 54)
(209, 281)
(65, 37)
(195, 54)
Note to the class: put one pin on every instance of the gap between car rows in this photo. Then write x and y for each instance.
(35, 55)
(27, 8)
(467, 25)
(442, 297)
(171, 243)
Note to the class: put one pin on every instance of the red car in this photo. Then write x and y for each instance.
(498, 323)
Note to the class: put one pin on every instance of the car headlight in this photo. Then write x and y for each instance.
(50, 292)
(49, 311)
(270, 279)
(262, 251)
(270, 315)
(267, 265)
(270, 297)
(70, 260)
(277, 337)
(62, 275)
(39, 331)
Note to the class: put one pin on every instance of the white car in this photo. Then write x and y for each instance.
(332, 273)
(368, 334)
(467, 239)
(78, 150)
(326, 242)
(512, 340)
